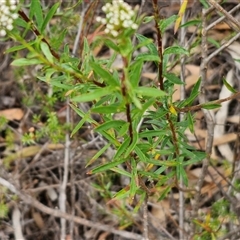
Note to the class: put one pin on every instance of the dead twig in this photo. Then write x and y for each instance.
(59, 214)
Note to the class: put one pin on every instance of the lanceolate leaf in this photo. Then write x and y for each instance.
(46, 51)
(175, 50)
(211, 105)
(104, 74)
(95, 94)
(164, 23)
(173, 78)
(151, 46)
(49, 15)
(148, 91)
(25, 62)
(106, 167)
(36, 11)
(228, 86)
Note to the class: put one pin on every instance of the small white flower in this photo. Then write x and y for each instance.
(2, 32)
(119, 16)
(134, 26)
(7, 15)
(103, 21)
(107, 30)
(114, 33)
(104, 8)
(98, 19)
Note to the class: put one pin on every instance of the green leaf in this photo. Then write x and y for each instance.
(25, 62)
(121, 171)
(104, 74)
(204, 3)
(49, 15)
(181, 173)
(94, 95)
(36, 10)
(110, 124)
(132, 145)
(164, 23)
(190, 121)
(211, 105)
(151, 46)
(123, 148)
(135, 73)
(149, 91)
(175, 50)
(147, 57)
(46, 51)
(126, 47)
(114, 108)
(134, 181)
(85, 118)
(56, 42)
(107, 166)
(98, 154)
(111, 45)
(152, 133)
(195, 91)
(191, 23)
(164, 193)
(148, 19)
(228, 86)
(143, 43)
(173, 78)
(3, 210)
(19, 47)
(122, 194)
(214, 42)
(140, 153)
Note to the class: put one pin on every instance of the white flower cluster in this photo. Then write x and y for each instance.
(119, 15)
(7, 15)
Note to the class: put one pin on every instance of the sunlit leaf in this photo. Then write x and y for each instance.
(46, 51)
(180, 15)
(25, 62)
(149, 91)
(95, 94)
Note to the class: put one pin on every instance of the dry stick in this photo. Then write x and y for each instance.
(222, 18)
(224, 12)
(16, 221)
(59, 214)
(67, 137)
(207, 114)
(200, 106)
(145, 219)
(181, 115)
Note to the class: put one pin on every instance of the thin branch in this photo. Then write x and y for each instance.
(210, 26)
(145, 219)
(16, 219)
(59, 214)
(207, 114)
(182, 97)
(200, 106)
(225, 45)
(225, 13)
(37, 33)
